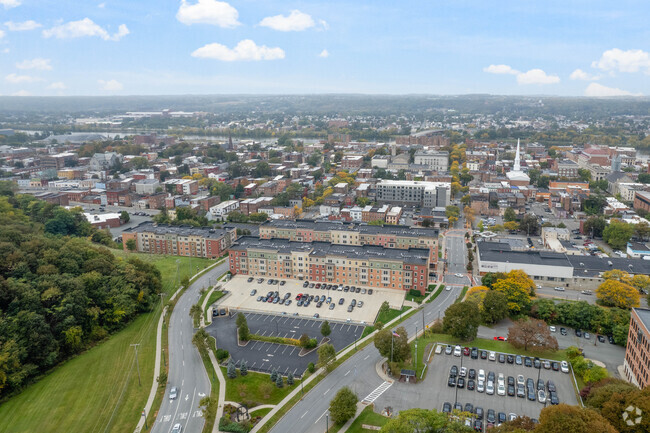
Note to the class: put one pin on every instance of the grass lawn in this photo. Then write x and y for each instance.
(369, 417)
(98, 390)
(390, 315)
(249, 386)
(214, 296)
(260, 412)
(435, 295)
(412, 298)
(481, 343)
(462, 295)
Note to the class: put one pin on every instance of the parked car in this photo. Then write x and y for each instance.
(521, 391)
(466, 351)
(471, 373)
(480, 386)
(563, 331)
(511, 390)
(451, 381)
(332, 306)
(489, 388)
(453, 371)
(493, 356)
(250, 279)
(448, 350)
(484, 354)
(478, 411)
(559, 289)
(518, 360)
(474, 353)
(541, 396)
(461, 382)
(457, 351)
(554, 399)
(550, 385)
(446, 407)
(564, 366)
(471, 384)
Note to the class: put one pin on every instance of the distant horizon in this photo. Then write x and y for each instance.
(191, 47)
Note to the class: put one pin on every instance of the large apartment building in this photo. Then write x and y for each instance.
(434, 160)
(418, 193)
(637, 351)
(349, 233)
(365, 265)
(180, 240)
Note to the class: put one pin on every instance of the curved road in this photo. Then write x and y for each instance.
(186, 369)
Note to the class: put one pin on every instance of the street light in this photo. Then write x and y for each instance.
(327, 422)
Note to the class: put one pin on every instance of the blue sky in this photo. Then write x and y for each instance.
(148, 47)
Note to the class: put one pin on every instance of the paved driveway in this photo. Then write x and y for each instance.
(265, 357)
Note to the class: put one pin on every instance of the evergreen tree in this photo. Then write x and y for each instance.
(243, 370)
(232, 371)
(290, 379)
(274, 375)
(279, 383)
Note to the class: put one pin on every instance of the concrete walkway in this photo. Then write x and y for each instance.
(346, 426)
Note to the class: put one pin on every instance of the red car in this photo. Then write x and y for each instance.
(299, 296)
(501, 338)
(466, 351)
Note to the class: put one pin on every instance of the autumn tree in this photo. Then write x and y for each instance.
(531, 334)
(618, 294)
(641, 282)
(563, 418)
(462, 320)
(517, 295)
(511, 226)
(618, 275)
(418, 421)
(326, 355)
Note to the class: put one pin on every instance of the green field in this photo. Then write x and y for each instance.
(247, 388)
(98, 390)
(368, 417)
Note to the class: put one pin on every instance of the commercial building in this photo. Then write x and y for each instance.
(573, 272)
(352, 162)
(104, 221)
(220, 211)
(366, 265)
(350, 233)
(418, 193)
(434, 160)
(567, 168)
(146, 186)
(637, 351)
(180, 240)
(183, 186)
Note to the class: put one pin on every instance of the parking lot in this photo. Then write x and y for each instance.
(264, 357)
(244, 295)
(436, 391)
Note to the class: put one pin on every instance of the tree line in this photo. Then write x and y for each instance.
(59, 294)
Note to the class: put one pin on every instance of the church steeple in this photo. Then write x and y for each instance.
(517, 165)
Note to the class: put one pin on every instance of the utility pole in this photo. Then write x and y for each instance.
(135, 345)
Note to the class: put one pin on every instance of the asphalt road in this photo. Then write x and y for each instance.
(456, 255)
(567, 295)
(358, 373)
(186, 369)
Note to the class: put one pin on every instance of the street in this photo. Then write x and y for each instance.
(186, 369)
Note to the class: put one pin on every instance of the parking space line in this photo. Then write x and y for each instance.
(292, 351)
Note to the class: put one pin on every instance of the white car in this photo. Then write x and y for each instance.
(480, 386)
(463, 371)
(559, 289)
(501, 389)
(551, 328)
(489, 388)
(448, 288)
(178, 428)
(520, 380)
(459, 275)
(541, 396)
(457, 351)
(564, 366)
(481, 375)
(492, 356)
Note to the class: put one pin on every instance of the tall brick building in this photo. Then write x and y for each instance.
(637, 351)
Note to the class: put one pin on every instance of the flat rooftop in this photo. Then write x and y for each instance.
(354, 227)
(163, 229)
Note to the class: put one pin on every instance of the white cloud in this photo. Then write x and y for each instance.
(2, 34)
(110, 85)
(58, 85)
(101, 5)
(82, 28)
(208, 12)
(579, 74)
(8, 4)
(22, 26)
(21, 93)
(38, 63)
(16, 79)
(624, 61)
(324, 54)
(595, 89)
(500, 69)
(244, 50)
(5, 51)
(537, 76)
(296, 21)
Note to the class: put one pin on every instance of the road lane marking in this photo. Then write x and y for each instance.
(347, 373)
(377, 392)
(328, 390)
(303, 415)
(367, 356)
(319, 418)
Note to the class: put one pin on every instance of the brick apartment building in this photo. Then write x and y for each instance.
(345, 233)
(642, 201)
(366, 265)
(252, 205)
(637, 351)
(180, 240)
(352, 162)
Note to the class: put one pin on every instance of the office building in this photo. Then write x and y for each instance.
(434, 160)
(416, 193)
(637, 351)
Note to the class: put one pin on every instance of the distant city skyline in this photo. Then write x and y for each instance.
(148, 47)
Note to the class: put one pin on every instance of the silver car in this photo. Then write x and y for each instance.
(173, 393)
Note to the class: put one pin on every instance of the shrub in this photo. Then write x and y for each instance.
(222, 355)
(311, 367)
(414, 292)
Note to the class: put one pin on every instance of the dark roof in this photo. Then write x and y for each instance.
(501, 252)
(591, 266)
(644, 315)
(417, 256)
(360, 227)
(638, 246)
(161, 229)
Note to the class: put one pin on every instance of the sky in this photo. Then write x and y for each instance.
(166, 47)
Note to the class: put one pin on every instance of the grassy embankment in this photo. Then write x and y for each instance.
(98, 390)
